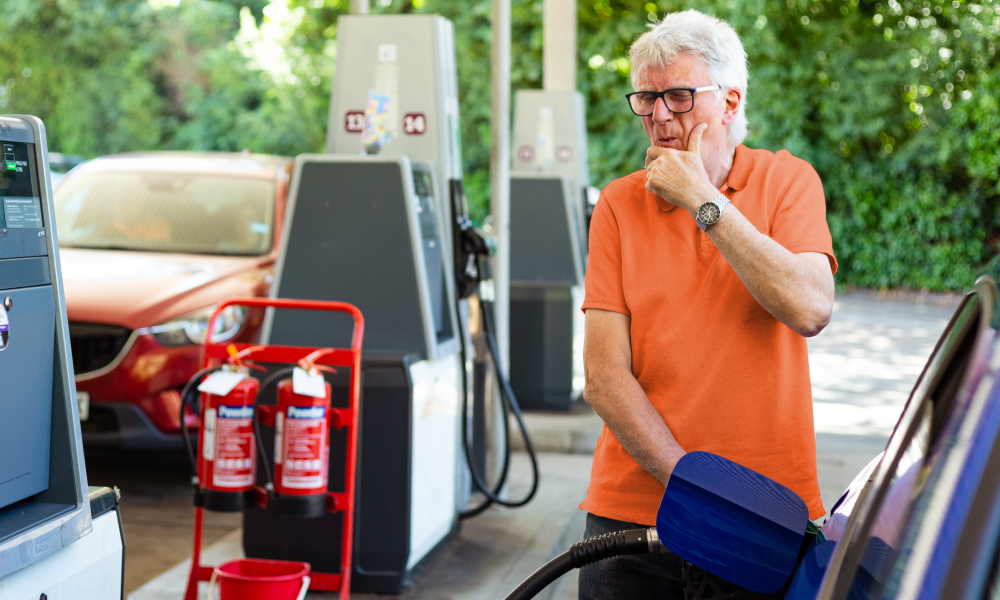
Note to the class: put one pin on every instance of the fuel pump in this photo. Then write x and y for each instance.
(548, 250)
(59, 538)
(375, 229)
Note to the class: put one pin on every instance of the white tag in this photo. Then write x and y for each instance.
(305, 384)
(221, 383)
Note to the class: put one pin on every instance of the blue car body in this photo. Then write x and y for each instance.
(923, 520)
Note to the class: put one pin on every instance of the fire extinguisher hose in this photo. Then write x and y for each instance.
(272, 379)
(188, 395)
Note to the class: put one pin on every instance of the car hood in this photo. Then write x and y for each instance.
(139, 289)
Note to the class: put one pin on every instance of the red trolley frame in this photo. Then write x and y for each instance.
(215, 354)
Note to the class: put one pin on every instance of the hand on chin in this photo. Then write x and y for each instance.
(676, 173)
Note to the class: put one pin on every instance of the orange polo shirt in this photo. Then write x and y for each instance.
(725, 375)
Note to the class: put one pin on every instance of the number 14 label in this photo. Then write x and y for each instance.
(414, 123)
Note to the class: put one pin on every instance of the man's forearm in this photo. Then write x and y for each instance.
(620, 401)
(792, 287)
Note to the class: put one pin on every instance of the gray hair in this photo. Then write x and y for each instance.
(713, 41)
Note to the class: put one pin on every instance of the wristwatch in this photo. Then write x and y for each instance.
(710, 212)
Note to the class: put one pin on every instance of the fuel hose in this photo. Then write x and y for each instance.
(510, 407)
(619, 543)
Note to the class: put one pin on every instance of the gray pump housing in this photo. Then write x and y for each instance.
(44, 502)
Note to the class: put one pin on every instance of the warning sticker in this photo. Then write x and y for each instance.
(234, 447)
(304, 435)
(23, 213)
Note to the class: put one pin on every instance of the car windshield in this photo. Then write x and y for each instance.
(192, 213)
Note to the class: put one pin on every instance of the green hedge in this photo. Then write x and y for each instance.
(894, 103)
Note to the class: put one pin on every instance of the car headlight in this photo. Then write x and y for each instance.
(192, 327)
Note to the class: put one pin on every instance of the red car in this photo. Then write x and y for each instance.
(150, 244)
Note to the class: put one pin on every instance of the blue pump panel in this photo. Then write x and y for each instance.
(731, 521)
(27, 328)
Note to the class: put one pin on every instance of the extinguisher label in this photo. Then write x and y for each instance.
(305, 441)
(234, 447)
(279, 433)
(208, 445)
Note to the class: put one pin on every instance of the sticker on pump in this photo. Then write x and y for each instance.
(4, 328)
(414, 123)
(305, 442)
(234, 446)
(354, 121)
(221, 383)
(307, 384)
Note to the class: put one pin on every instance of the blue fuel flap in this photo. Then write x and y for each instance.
(731, 521)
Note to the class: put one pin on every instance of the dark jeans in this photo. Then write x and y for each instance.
(649, 576)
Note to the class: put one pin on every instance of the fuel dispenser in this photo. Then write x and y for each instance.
(383, 232)
(359, 232)
(548, 241)
(57, 536)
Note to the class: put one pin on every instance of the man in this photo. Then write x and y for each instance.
(707, 270)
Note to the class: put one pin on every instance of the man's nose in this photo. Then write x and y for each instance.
(661, 114)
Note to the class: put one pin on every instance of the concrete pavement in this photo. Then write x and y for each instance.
(491, 555)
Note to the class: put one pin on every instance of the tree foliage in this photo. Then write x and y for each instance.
(895, 103)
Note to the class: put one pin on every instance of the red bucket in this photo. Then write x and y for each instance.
(254, 579)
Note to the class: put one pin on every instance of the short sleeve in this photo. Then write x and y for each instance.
(603, 281)
(799, 221)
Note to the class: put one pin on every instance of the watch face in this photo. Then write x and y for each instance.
(709, 213)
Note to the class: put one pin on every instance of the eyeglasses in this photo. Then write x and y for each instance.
(678, 100)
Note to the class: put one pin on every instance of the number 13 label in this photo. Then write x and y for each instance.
(354, 121)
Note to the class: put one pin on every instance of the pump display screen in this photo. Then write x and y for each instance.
(20, 202)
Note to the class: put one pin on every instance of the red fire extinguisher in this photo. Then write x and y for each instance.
(226, 462)
(301, 451)
(301, 424)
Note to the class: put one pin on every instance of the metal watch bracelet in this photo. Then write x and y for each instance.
(720, 202)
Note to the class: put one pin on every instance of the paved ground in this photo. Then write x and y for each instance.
(863, 366)
(491, 555)
(156, 509)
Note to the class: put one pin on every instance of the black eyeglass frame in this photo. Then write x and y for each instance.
(663, 96)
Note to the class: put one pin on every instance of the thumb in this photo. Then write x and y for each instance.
(694, 141)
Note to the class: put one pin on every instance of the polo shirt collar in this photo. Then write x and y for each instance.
(738, 176)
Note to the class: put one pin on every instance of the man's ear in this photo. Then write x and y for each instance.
(732, 99)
